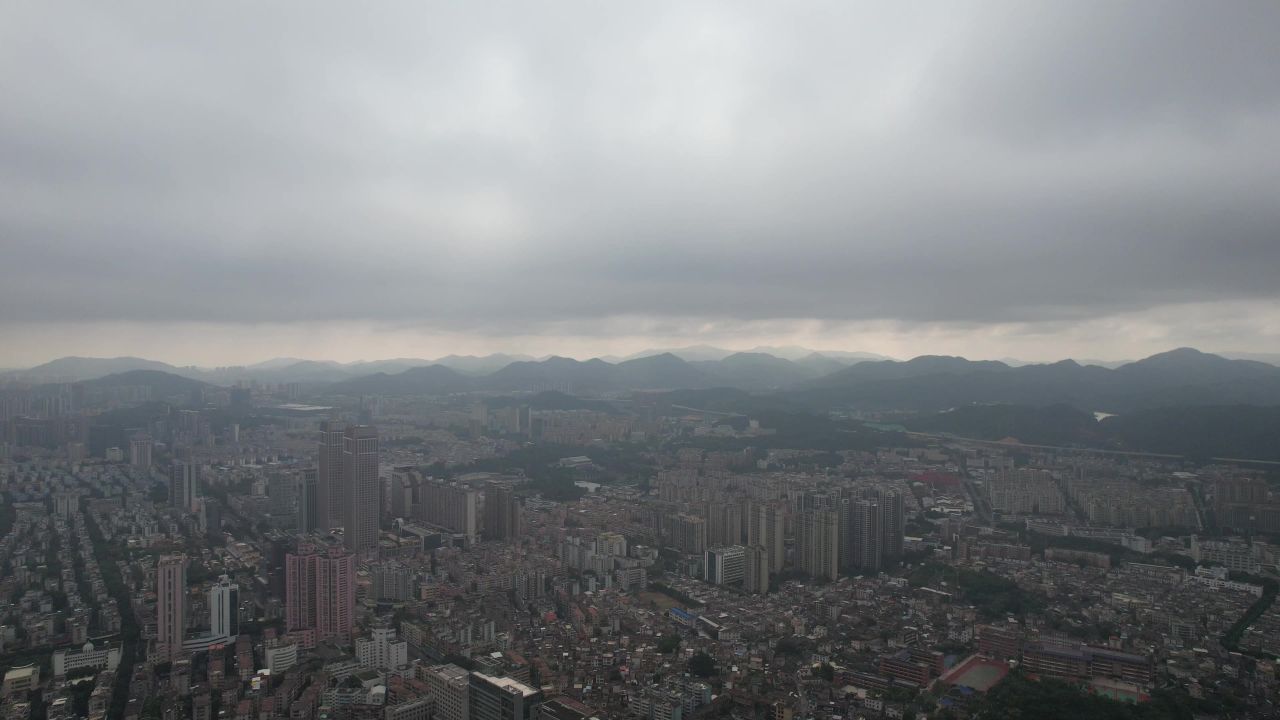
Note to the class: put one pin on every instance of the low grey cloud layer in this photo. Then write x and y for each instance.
(520, 169)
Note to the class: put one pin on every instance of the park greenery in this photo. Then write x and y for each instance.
(992, 595)
(1022, 698)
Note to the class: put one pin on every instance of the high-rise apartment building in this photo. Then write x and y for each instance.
(210, 516)
(171, 606)
(894, 522)
(871, 528)
(330, 478)
(755, 578)
(364, 490)
(140, 452)
(866, 535)
(724, 523)
(767, 527)
(502, 698)
(502, 516)
(282, 491)
(611, 544)
(404, 484)
(1025, 491)
(1240, 490)
(392, 580)
(451, 506)
(687, 533)
(224, 609)
(184, 482)
(817, 544)
(320, 592)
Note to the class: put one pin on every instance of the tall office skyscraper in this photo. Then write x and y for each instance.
(502, 516)
(309, 501)
(171, 606)
(184, 481)
(363, 487)
(282, 491)
(502, 698)
(817, 544)
(320, 592)
(224, 609)
(330, 478)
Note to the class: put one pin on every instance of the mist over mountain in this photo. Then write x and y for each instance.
(1180, 377)
(160, 383)
(692, 353)
(711, 353)
(1181, 402)
(761, 371)
(429, 380)
(1269, 358)
(86, 368)
(480, 364)
(275, 370)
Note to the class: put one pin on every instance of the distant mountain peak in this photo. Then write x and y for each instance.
(1182, 352)
(665, 357)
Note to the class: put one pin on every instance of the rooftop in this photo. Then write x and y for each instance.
(508, 684)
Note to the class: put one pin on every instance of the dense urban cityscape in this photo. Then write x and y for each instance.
(174, 548)
(713, 360)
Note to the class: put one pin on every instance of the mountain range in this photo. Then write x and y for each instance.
(1182, 377)
(1179, 377)
(275, 370)
(754, 371)
(289, 369)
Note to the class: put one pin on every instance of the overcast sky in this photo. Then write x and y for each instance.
(232, 181)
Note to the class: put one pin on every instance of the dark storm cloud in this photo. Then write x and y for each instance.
(482, 169)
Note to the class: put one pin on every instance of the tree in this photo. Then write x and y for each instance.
(159, 494)
(669, 643)
(702, 665)
(790, 645)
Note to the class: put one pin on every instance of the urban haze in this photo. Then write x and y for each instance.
(653, 361)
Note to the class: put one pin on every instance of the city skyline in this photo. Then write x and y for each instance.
(663, 361)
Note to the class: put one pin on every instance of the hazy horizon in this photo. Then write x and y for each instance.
(246, 344)
(642, 352)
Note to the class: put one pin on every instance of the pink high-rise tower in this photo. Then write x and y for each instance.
(320, 592)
